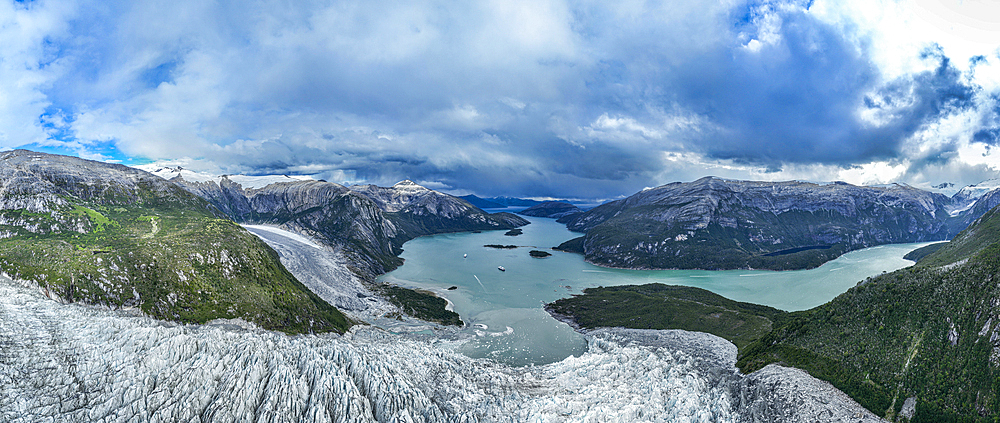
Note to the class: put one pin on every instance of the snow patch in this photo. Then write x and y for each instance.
(246, 181)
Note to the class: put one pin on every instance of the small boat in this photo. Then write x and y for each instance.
(465, 256)
(501, 268)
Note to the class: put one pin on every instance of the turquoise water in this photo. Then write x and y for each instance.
(504, 309)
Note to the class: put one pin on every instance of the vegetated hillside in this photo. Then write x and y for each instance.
(551, 209)
(922, 252)
(119, 237)
(715, 223)
(369, 223)
(659, 306)
(930, 332)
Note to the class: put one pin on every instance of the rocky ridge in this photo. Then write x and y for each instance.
(551, 209)
(715, 223)
(369, 224)
(120, 237)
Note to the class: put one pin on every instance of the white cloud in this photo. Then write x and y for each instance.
(28, 66)
(584, 96)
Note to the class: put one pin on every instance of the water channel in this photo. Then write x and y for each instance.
(503, 309)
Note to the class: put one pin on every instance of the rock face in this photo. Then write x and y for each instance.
(369, 224)
(327, 212)
(966, 197)
(420, 211)
(982, 204)
(714, 223)
(552, 209)
(40, 183)
(119, 237)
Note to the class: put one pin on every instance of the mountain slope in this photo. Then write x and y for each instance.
(420, 211)
(328, 212)
(930, 332)
(481, 202)
(119, 237)
(368, 223)
(551, 209)
(715, 223)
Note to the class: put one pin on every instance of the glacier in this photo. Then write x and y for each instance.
(75, 363)
(78, 363)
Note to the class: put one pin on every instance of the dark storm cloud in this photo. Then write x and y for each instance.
(795, 99)
(534, 98)
(989, 133)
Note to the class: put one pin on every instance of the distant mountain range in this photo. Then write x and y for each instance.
(498, 202)
(551, 209)
(715, 223)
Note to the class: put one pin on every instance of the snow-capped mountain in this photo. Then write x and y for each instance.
(246, 181)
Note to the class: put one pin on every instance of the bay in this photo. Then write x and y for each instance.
(503, 309)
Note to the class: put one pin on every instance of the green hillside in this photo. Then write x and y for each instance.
(118, 237)
(930, 332)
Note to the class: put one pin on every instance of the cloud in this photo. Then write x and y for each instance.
(539, 98)
(29, 64)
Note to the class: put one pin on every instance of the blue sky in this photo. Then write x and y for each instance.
(538, 98)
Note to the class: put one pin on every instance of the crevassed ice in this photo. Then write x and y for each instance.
(70, 363)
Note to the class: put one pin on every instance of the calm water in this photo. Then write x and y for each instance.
(504, 309)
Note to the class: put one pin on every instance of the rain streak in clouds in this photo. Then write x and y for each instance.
(534, 98)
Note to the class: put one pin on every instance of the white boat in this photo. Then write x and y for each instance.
(501, 268)
(465, 256)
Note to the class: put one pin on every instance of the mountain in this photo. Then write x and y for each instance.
(246, 181)
(551, 209)
(369, 224)
(482, 202)
(982, 204)
(419, 211)
(715, 223)
(921, 344)
(327, 212)
(928, 335)
(119, 237)
(966, 197)
(514, 201)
